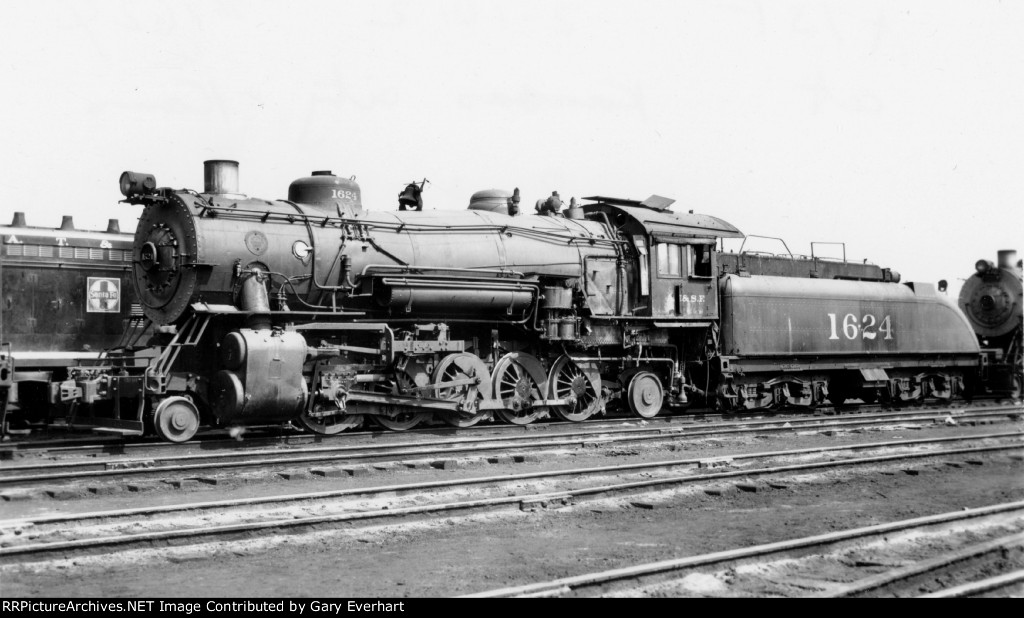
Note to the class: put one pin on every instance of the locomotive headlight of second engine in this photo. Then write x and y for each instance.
(136, 184)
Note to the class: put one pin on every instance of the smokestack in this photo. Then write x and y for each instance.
(220, 176)
(1006, 258)
(19, 220)
(113, 226)
(68, 223)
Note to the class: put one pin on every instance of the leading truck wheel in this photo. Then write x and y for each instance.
(645, 395)
(176, 419)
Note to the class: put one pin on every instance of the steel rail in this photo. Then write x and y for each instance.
(624, 429)
(769, 424)
(564, 495)
(978, 587)
(926, 566)
(27, 448)
(567, 584)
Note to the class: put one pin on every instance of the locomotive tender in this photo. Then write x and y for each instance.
(65, 297)
(316, 311)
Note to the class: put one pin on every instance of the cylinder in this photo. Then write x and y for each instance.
(574, 213)
(567, 330)
(227, 394)
(1007, 257)
(233, 350)
(113, 226)
(552, 328)
(68, 223)
(19, 220)
(220, 176)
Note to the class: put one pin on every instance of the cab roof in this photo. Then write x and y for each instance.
(656, 219)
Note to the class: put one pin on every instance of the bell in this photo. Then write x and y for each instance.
(410, 198)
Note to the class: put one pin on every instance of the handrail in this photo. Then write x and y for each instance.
(324, 220)
(765, 237)
(822, 242)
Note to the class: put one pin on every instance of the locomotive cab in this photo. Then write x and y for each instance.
(683, 281)
(675, 256)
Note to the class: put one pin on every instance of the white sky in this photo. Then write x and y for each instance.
(897, 127)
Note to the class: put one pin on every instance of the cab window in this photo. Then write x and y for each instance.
(669, 259)
(700, 260)
(673, 259)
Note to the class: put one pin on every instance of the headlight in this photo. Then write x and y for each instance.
(135, 184)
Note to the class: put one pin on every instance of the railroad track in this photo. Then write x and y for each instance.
(948, 564)
(1012, 580)
(20, 475)
(669, 577)
(36, 537)
(282, 436)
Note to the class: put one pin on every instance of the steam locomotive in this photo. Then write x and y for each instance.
(65, 297)
(315, 311)
(992, 301)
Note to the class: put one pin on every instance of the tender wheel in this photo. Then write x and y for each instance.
(516, 380)
(414, 375)
(645, 395)
(911, 397)
(568, 381)
(940, 387)
(176, 419)
(837, 394)
(450, 376)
